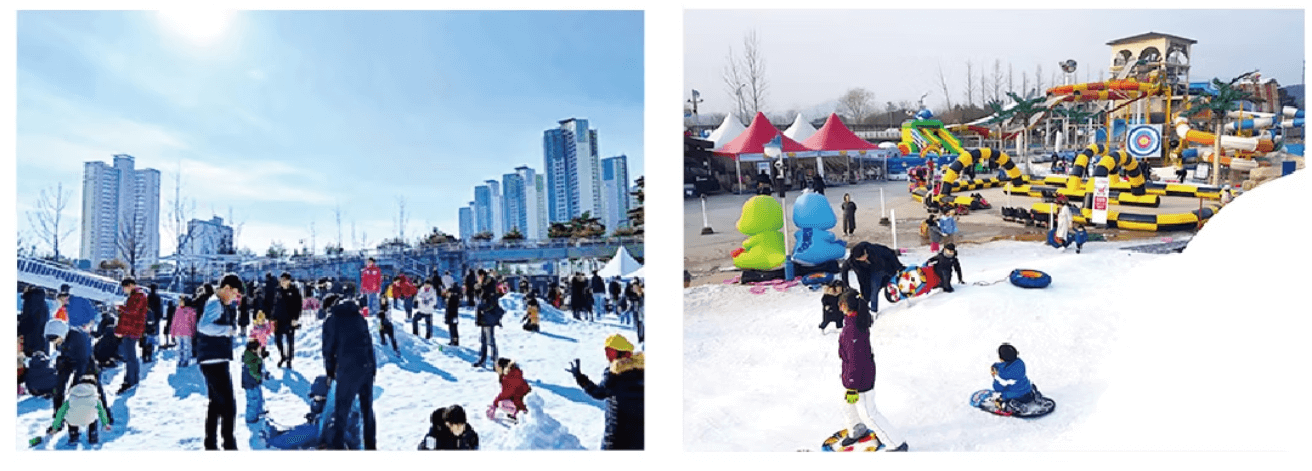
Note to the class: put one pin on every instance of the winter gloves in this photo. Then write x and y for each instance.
(574, 368)
(852, 396)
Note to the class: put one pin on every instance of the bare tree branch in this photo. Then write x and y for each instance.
(857, 104)
(48, 218)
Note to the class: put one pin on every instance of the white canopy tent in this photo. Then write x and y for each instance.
(800, 129)
(621, 265)
(728, 130)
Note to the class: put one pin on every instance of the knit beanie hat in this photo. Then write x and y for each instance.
(56, 328)
(1007, 353)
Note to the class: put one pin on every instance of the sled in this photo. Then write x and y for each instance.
(911, 282)
(987, 401)
(869, 442)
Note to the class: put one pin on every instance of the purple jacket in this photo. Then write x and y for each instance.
(858, 360)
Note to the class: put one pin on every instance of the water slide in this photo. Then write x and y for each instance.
(1245, 144)
(1289, 117)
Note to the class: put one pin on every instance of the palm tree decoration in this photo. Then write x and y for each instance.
(1227, 99)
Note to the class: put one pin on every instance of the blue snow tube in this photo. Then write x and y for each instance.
(1026, 278)
(817, 278)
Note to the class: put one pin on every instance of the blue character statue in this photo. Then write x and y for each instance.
(815, 243)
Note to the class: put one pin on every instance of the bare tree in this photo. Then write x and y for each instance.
(1011, 83)
(337, 214)
(47, 220)
(1038, 77)
(997, 80)
(857, 104)
(943, 85)
(970, 84)
(132, 242)
(745, 80)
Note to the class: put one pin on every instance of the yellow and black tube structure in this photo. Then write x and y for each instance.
(1076, 178)
(1133, 171)
(1142, 222)
(972, 156)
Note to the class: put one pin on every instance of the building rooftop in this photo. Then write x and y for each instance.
(1149, 35)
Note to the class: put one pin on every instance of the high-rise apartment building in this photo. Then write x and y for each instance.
(615, 191)
(467, 221)
(120, 212)
(573, 171)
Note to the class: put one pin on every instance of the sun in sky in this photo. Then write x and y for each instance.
(201, 27)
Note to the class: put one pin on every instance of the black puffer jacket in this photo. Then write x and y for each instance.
(32, 322)
(489, 305)
(879, 259)
(622, 388)
(286, 307)
(348, 349)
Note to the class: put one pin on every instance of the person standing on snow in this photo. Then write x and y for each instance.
(286, 318)
(622, 388)
(32, 320)
(452, 317)
(348, 359)
(598, 286)
(371, 285)
(131, 327)
(858, 374)
(427, 299)
(943, 264)
(214, 332)
(849, 215)
(488, 317)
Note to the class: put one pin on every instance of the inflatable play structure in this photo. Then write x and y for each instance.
(924, 135)
(762, 221)
(816, 245)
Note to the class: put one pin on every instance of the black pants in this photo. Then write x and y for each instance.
(849, 223)
(836, 320)
(454, 326)
(414, 324)
(386, 330)
(290, 353)
(222, 412)
(348, 387)
(944, 277)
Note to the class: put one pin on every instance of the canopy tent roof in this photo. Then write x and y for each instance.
(754, 138)
(834, 136)
(800, 130)
(621, 265)
(728, 130)
(639, 273)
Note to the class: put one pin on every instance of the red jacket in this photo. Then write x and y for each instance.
(132, 317)
(513, 387)
(371, 280)
(403, 288)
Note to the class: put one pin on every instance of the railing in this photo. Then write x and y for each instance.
(51, 276)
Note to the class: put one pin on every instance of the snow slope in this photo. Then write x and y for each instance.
(167, 410)
(1196, 351)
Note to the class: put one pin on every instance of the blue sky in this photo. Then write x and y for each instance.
(812, 57)
(283, 116)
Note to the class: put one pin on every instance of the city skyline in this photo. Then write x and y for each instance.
(280, 118)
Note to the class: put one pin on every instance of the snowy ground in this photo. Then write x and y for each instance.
(166, 411)
(1198, 351)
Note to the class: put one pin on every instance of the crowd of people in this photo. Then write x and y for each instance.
(65, 355)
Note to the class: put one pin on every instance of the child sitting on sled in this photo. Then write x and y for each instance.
(513, 390)
(1013, 393)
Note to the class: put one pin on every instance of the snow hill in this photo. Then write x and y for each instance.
(166, 411)
(1196, 351)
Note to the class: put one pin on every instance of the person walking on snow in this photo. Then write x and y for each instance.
(131, 327)
(452, 317)
(622, 388)
(286, 318)
(943, 264)
(371, 284)
(488, 317)
(183, 329)
(404, 292)
(858, 374)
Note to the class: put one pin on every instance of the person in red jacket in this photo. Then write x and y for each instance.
(131, 326)
(513, 390)
(371, 284)
(405, 291)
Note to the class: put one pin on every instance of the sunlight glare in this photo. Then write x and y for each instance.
(198, 26)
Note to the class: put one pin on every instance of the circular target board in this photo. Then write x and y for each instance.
(1144, 141)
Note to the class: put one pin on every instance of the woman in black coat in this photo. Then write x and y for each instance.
(623, 390)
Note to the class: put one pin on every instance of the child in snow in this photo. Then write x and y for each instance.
(84, 408)
(858, 374)
(183, 328)
(513, 390)
(252, 377)
(829, 305)
(1009, 380)
(453, 315)
(943, 264)
(40, 378)
(531, 318)
(931, 229)
(385, 327)
(426, 300)
(262, 329)
(448, 430)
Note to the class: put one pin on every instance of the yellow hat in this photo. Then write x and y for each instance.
(618, 342)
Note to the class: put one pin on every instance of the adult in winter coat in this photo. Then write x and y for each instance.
(453, 314)
(214, 332)
(578, 296)
(488, 317)
(616, 292)
(858, 371)
(404, 291)
(427, 299)
(448, 282)
(32, 321)
(943, 264)
(269, 297)
(286, 318)
(849, 215)
(817, 183)
(371, 285)
(153, 319)
(470, 284)
(621, 387)
(598, 286)
(874, 265)
(131, 327)
(348, 359)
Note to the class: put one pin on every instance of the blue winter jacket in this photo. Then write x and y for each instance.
(947, 225)
(1010, 379)
(40, 377)
(75, 353)
(214, 332)
(348, 349)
